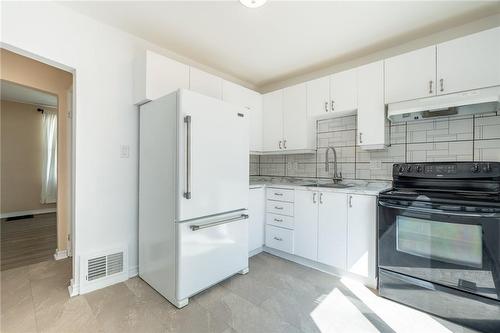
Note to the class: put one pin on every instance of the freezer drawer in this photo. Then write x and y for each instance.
(210, 252)
(279, 238)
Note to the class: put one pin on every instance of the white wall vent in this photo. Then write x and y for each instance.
(103, 269)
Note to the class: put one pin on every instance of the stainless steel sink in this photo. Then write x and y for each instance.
(330, 185)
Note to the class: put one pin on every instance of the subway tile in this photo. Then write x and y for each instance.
(487, 150)
(344, 154)
(254, 169)
(440, 130)
(440, 151)
(301, 169)
(337, 139)
(254, 158)
(273, 169)
(366, 171)
(347, 169)
(272, 159)
(487, 127)
(396, 134)
(337, 124)
(301, 158)
(393, 153)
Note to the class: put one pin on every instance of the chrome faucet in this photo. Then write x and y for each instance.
(336, 176)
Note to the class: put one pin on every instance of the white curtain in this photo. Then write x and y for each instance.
(49, 166)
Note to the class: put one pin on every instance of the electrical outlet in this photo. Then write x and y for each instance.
(124, 151)
(376, 164)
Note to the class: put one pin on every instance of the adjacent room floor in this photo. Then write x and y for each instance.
(276, 296)
(28, 241)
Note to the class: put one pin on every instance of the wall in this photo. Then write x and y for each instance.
(459, 138)
(21, 158)
(34, 74)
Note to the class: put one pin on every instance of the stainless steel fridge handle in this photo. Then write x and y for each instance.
(437, 211)
(187, 120)
(195, 227)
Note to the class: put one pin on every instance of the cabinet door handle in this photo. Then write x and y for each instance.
(278, 208)
(278, 194)
(187, 194)
(314, 197)
(278, 220)
(326, 106)
(279, 239)
(350, 201)
(284, 144)
(279, 144)
(441, 84)
(430, 87)
(360, 137)
(333, 105)
(321, 198)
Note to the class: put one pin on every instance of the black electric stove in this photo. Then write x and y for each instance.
(439, 241)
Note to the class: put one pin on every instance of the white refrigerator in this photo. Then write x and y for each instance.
(193, 193)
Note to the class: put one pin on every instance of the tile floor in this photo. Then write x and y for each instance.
(276, 296)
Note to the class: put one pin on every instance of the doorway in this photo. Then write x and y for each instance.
(36, 133)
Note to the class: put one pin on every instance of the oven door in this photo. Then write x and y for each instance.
(452, 245)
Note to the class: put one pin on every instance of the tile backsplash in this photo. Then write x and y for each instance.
(458, 138)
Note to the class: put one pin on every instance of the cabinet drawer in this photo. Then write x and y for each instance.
(280, 220)
(280, 194)
(279, 238)
(279, 207)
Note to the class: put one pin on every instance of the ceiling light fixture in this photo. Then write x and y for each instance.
(252, 3)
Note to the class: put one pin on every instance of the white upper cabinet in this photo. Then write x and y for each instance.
(318, 97)
(470, 62)
(156, 75)
(343, 91)
(251, 100)
(371, 107)
(296, 133)
(272, 105)
(205, 83)
(361, 235)
(305, 236)
(411, 75)
(332, 229)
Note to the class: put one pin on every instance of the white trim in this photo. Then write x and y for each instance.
(73, 288)
(29, 212)
(371, 283)
(133, 271)
(60, 254)
(255, 251)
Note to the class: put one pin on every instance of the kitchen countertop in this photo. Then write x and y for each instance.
(358, 186)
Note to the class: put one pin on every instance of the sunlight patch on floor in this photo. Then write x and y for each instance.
(336, 313)
(398, 317)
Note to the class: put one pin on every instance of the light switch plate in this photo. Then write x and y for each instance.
(124, 151)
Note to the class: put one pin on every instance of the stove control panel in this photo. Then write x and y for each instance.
(460, 170)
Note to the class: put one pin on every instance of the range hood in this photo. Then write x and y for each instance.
(464, 103)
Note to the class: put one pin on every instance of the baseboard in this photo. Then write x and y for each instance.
(371, 283)
(60, 254)
(73, 288)
(28, 212)
(133, 271)
(255, 251)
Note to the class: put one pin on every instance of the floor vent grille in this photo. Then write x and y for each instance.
(103, 266)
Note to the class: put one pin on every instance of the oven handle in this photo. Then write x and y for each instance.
(437, 211)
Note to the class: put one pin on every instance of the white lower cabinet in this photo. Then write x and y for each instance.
(256, 212)
(305, 236)
(279, 238)
(361, 235)
(332, 230)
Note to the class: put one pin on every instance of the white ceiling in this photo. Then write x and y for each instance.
(17, 93)
(283, 38)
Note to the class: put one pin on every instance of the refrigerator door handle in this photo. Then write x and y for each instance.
(187, 120)
(195, 227)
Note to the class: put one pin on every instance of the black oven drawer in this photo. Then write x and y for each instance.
(467, 309)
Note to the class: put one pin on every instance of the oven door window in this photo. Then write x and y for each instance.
(441, 241)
